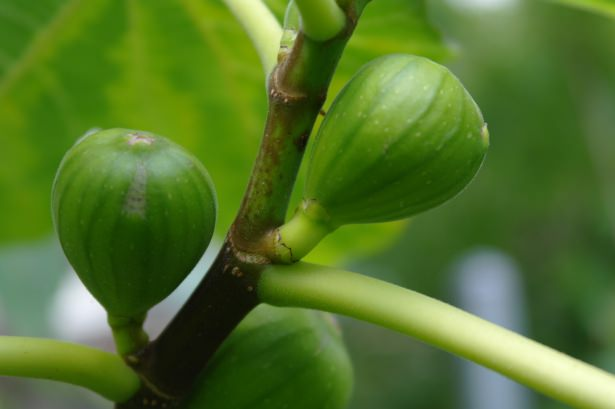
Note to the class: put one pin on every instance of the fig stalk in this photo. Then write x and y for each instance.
(296, 238)
(297, 90)
(262, 28)
(96, 370)
(321, 19)
(128, 333)
(546, 370)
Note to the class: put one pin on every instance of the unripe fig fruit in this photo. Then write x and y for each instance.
(134, 213)
(403, 136)
(278, 358)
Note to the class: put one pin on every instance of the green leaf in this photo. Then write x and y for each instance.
(605, 7)
(183, 69)
(394, 26)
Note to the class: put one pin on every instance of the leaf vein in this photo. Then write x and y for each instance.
(38, 47)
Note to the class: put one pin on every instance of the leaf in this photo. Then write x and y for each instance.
(136, 64)
(394, 26)
(183, 69)
(604, 7)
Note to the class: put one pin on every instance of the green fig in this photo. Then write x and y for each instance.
(403, 136)
(134, 213)
(278, 358)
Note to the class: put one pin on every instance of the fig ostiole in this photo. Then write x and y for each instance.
(134, 213)
(278, 358)
(403, 136)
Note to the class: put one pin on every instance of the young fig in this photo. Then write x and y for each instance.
(278, 358)
(403, 136)
(134, 213)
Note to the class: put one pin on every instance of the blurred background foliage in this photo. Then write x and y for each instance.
(543, 74)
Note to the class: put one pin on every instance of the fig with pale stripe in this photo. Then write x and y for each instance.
(134, 213)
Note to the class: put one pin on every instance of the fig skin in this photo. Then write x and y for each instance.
(278, 358)
(403, 136)
(134, 213)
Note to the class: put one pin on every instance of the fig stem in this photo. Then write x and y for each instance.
(96, 370)
(297, 237)
(546, 370)
(172, 362)
(262, 28)
(128, 333)
(321, 19)
(297, 89)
